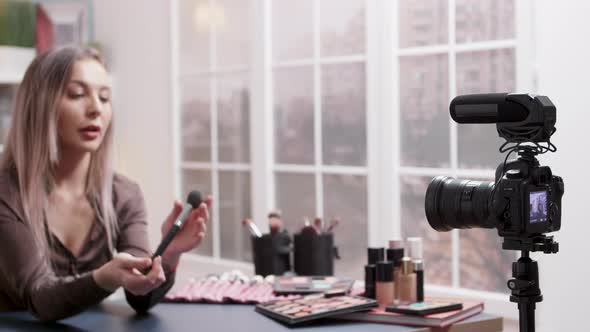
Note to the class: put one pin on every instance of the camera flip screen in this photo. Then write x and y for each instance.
(538, 206)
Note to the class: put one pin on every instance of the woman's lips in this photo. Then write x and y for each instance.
(90, 132)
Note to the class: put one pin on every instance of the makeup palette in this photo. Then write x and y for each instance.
(305, 285)
(311, 307)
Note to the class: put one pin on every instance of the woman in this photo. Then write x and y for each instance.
(72, 231)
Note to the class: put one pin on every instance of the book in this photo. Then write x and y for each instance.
(311, 307)
(444, 319)
(424, 308)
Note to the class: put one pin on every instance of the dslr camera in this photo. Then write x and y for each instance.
(524, 201)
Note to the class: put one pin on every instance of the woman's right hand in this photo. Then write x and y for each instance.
(124, 271)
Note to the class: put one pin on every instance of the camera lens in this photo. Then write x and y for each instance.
(452, 203)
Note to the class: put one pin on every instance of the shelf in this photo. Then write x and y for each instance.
(14, 62)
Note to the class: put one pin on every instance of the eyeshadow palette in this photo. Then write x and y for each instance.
(311, 307)
(304, 285)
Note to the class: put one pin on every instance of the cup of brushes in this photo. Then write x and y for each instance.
(314, 249)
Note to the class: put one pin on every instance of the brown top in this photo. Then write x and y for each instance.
(27, 282)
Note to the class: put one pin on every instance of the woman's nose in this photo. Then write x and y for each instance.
(95, 106)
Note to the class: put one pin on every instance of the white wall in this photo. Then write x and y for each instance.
(135, 35)
(562, 53)
(137, 38)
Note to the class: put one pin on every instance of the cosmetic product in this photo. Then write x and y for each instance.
(396, 244)
(252, 228)
(407, 282)
(307, 308)
(395, 255)
(308, 229)
(375, 255)
(193, 201)
(419, 269)
(318, 223)
(309, 284)
(415, 252)
(275, 223)
(384, 287)
(333, 223)
(370, 274)
(415, 248)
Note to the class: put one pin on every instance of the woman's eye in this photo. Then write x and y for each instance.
(76, 95)
(104, 99)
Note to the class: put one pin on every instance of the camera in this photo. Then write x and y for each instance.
(524, 201)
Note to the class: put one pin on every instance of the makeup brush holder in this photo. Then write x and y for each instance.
(314, 254)
(272, 254)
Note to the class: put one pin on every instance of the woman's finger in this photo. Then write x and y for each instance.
(154, 276)
(176, 210)
(130, 262)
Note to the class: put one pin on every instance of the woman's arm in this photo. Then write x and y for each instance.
(26, 277)
(133, 239)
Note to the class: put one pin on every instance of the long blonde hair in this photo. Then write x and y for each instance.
(32, 151)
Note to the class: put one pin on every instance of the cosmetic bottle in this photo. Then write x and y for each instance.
(384, 283)
(415, 252)
(414, 248)
(407, 282)
(419, 269)
(375, 255)
(370, 274)
(395, 256)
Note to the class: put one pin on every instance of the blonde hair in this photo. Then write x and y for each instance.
(32, 151)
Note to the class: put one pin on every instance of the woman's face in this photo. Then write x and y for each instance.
(85, 107)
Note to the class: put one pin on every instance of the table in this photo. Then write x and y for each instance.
(116, 315)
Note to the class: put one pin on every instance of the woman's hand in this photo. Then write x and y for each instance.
(124, 271)
(189, 236)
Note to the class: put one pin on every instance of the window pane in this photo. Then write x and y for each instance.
(437, 245)
(234, 206)
(233, 108)
(196, 119)
(424, 110)
(294, 120)
(423, 22)
(233, 32)
(295, 197)
(344, 120)
(292, 29)
(345, 196)
(478, 20)
(483, 72)
(201, 181)
(7, 94)
(342, 27)
(195, 21)
(483, 263)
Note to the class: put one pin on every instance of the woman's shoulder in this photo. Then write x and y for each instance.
(10, 194)
(125, 189)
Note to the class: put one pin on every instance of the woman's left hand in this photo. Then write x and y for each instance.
(189, 236)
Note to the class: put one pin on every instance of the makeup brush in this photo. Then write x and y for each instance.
(308, 229)
(318, 225)
(333, 223)
(254, 231)
(275, 223)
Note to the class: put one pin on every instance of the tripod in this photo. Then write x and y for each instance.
(525, 273)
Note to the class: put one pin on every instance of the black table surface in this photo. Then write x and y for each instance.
(116, 315)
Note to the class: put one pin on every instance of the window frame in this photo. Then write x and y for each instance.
(383, 146)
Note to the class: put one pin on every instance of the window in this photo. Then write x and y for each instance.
(325, 130)
(467, 47)
(214, 93)
(319, 93)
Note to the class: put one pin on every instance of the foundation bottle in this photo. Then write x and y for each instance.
(384, 283)
(395, 255)
(407, 282)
